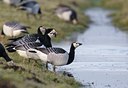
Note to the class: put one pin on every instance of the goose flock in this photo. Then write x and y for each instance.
(37, 46)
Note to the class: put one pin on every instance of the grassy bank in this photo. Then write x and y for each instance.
(30, 75)
(120, 16)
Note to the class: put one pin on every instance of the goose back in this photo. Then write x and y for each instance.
(24, 40)
(43, 37)
(13, 29)
(31, 6)
(66, 13)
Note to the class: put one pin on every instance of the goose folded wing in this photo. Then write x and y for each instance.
(30, 38)
(21, 27)
(24, 39)
(28, 46)
(52, 50)
(12, 24)
(62, 9)
(58, 50)
(28, 3)
(43, 50)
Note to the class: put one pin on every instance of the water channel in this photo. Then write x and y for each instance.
(102, 60)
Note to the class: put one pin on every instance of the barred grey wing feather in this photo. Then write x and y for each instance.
(59, 50)
(43, 50)
(25, 47)
(26, 39)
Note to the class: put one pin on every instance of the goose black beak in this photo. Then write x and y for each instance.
(80, 43)
(55, 34)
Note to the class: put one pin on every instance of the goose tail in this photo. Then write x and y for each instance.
(11, 49)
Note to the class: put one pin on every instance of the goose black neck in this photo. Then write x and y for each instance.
(2, 33)
(71, 54)
(45, 40)
(39, 32)
(39, 11)
(6, 57)
(3, 53)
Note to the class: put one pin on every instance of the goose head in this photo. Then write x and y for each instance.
(41, 30)
(76, 44)
(47, 31)
(51, 32)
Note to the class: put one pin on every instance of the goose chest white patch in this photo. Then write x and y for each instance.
(7, 30)
(22, 53)
(36, 54)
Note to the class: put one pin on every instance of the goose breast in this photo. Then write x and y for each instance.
(58, 59)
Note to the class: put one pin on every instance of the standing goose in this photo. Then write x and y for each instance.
(13, 29)
(55, 56)
(31, 7)
(42, 36)
(5, 55)
(66, 13)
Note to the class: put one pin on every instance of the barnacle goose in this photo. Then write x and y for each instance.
(66, 13)
(42, 36)
(13, 29)
(32, 41)
(55, 56)
(31, 7)
(5, 55)
(12, 2)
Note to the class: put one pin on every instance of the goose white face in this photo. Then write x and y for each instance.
(75, 44)
(42, 29)
(53, 33)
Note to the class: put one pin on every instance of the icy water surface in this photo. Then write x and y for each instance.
(102, 60)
